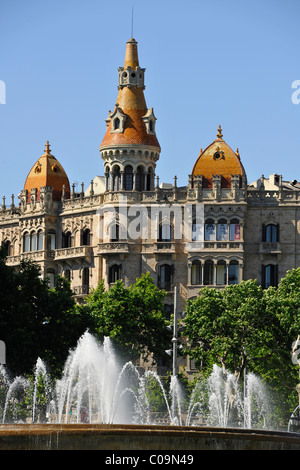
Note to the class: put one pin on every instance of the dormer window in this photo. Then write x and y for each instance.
(149, 120)
(117, 119)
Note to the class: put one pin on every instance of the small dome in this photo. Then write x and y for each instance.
(218, 159)
(47, 171)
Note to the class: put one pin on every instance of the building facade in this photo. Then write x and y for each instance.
(216, 230)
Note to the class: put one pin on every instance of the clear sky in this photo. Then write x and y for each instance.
(228, 62)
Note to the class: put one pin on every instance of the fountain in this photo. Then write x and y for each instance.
(98, 394)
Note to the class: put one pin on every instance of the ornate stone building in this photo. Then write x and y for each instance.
(216, 230)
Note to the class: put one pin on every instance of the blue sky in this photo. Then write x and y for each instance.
(207, 63)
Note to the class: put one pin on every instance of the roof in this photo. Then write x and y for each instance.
(47, 171)
(131, 106)
(218, 159)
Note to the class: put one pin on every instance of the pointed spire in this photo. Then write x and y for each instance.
(131, 55)
(219, 134)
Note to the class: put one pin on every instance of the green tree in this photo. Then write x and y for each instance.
(36, 321)
(231, 327)
(132, 317)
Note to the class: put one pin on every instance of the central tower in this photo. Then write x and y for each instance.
(130, 147)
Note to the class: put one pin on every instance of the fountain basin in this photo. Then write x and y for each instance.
(140, 437)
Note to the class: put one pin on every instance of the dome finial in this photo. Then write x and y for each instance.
(219, 134)
(47, 149)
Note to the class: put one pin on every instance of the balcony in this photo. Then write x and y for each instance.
(269, 249)
(81, 290)
(164, 248)
(113, 248)
(74, 252)
(36, 256)
(215, 246)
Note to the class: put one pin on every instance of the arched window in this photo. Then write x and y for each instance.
(271, 233)
(114, 274)
(66, 239)
(208, 273)
(196, 277)
(234, 230)
(114, 232)
(33, 241)
(51, 240)
(209, 230)
(116, 178)
(68, 275)
(128, 183)
(233, 272)
(40, 240)
(116, 123)
(7, 248)
(51, 278)
(140, 179)
(269, 275)
(222, 230)
(85, 280)
(149, 179)
(221, 275)
(166, 277)
(86, 237)
(26, 242)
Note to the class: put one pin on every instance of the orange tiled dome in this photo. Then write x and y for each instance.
(218, 159)
(47, 171)
(131, 104)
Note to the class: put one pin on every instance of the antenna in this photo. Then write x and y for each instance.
(132, 22)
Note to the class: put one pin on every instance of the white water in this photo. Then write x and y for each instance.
(96, 388)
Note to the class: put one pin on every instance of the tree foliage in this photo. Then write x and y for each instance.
(36, 321)
(246, 326)
(132, 317)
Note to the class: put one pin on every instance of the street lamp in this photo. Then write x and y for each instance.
(174, 340)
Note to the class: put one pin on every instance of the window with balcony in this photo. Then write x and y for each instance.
(209, 230)
(221, 273)
(208, 273)
(40, 240)
(7, 248)
(164, 232)
(86, 238)
(114, 232)
(26, 242)
(85, 280)
(140, 179)
(66, 239)
(128, 181)
(233, 272)
(196, 277)
(234, 230)
(51, 240)
(116, 178)
(222, 230)
(270, 233)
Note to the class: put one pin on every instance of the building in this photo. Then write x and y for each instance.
(216, 230)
